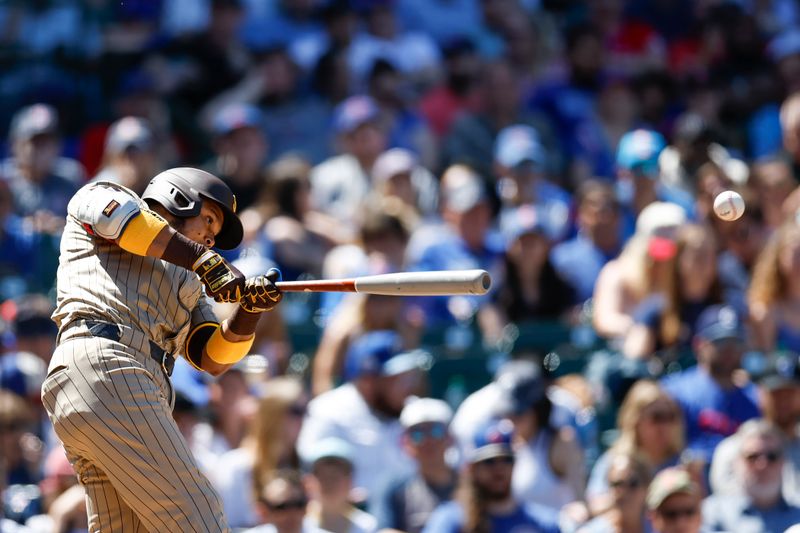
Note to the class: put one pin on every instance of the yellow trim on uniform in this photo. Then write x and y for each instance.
(141, 231)
(225, 352)
(188, 342)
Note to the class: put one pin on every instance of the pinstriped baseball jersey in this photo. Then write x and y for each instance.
(99, 280)
(107, 397)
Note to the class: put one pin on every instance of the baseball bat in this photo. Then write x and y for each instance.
(433, 283)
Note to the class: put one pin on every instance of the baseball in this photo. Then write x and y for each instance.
(729, 205)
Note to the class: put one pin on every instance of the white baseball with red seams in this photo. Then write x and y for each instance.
(729, 205)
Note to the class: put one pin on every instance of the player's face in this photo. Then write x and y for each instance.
(203, 228)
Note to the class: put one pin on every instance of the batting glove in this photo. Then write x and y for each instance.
(223, 281)
(260, 292)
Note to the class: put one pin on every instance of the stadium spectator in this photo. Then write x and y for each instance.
(426, 439)
(241, 473)
(130, 157)
(640, 275)
(340, 23)
(666, 324)
(404, 124)
(674, 502)
(241, 148)
(650, 426)
(456, 93)
(398, 173)
(202, 64)
(774, 289)
(282, 503)
(742, 241)
(550, 467)
(599, 239)
(20, 458)
(713, 403)
(638, 181)
(364, 411)
(568, 97)
(521, 166)
(484, 501)
(41, 181)
(298, 237)
(463, 241)
(531, 288)
(627, 478)
(472, 136)
(761, 505)
(340, 183)
(773, 181)
(331, 471)
(779, 396)
(412, 53)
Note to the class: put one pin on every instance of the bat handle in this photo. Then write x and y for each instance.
(328, 285)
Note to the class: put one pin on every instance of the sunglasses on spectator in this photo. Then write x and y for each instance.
(288, 505)
(670, 515)
(433, 431)
(772, 456)
(662, 417)
(502, 460)
(631, 483)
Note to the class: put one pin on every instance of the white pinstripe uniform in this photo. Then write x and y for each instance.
(109, 400)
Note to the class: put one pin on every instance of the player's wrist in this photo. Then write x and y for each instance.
(183, 252)
(243, 322)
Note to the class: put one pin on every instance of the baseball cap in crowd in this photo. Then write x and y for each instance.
(425, 410)
(638, 150)
(521, 384)
(522, 220)
(657, 222)
(462, 189)
(331, 448)
(393, 162)
(493, 439)
(129, 133)
(519, 144)
(668, 482)
(235, 116)
(354, 112)
(784, 45)
(37, 119)
(381, 353)
(719, 322)
(783, 373)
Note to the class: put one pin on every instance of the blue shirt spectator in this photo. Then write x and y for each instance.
(490, 465)
(580, 259)
(714, 406)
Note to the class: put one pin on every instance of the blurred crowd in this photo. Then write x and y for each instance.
(573, 149)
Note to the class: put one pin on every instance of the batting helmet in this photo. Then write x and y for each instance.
(181, 191)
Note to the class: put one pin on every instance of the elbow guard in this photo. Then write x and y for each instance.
(196, 341)
(104, 210)
(225, 352)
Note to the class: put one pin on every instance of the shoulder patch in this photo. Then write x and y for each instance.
(110, 208)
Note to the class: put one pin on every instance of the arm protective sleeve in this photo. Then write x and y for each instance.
(225, 352)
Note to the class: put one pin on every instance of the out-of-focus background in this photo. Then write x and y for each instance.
(571, 148)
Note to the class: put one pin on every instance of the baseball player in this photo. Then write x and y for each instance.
(130, 297)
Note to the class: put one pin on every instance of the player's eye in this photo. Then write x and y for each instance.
(209, 220)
